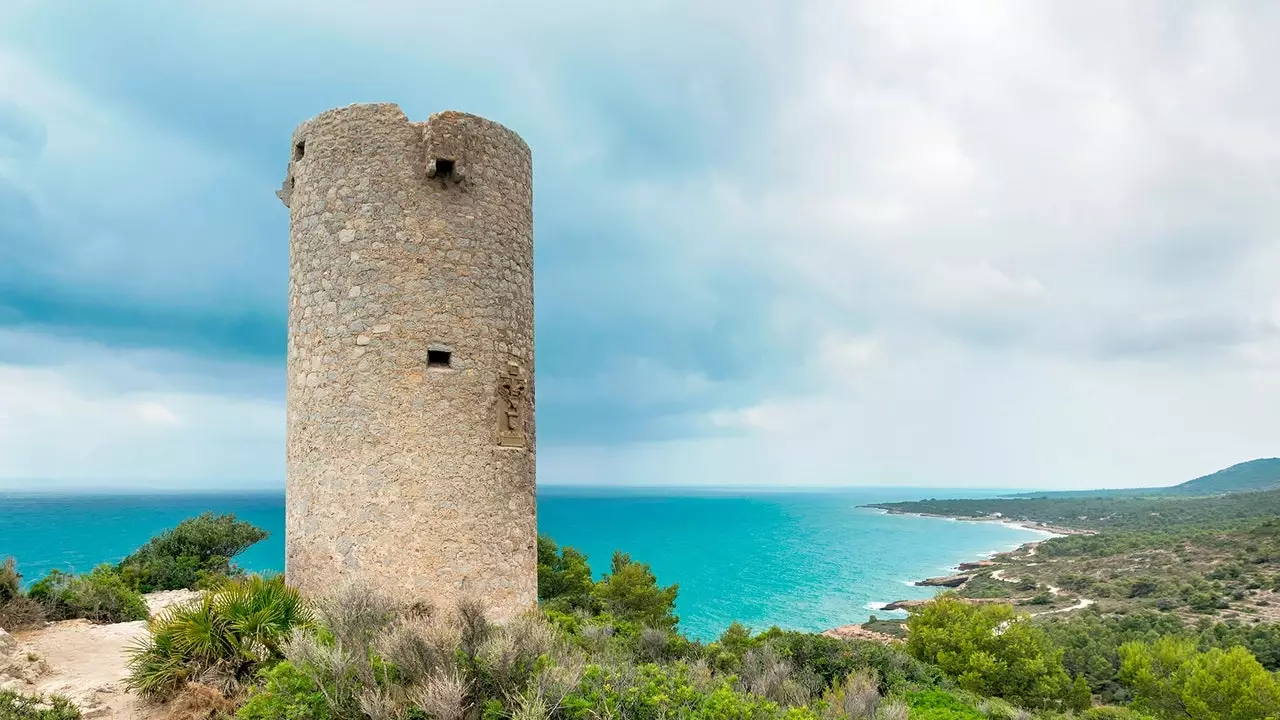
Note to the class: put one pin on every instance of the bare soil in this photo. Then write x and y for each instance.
(85, 662)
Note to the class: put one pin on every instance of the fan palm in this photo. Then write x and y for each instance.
(229, 632)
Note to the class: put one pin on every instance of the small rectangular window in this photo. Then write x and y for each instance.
(300, 150)
(439, 358)
(444, 168)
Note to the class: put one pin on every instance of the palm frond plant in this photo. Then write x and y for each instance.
(221, 638)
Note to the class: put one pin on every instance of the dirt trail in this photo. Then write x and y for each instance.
(1080, 604)
(83, 661)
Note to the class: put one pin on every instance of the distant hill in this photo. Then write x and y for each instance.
(1251, 476)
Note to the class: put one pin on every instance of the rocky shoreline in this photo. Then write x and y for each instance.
(966, 569)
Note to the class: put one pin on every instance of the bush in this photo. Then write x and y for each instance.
(372, 658)
(1110, 712)
(1170, 678)
(15, 706)
(286, 693)
(630, 592)
(10, 585)
(226, 636)
(827, 660)
(21, 613)
(987, 649)
(17, 612)
(856, 698)
(941, 705)
(651, 692)
(196, 553)
(99, 596)
(564, 578)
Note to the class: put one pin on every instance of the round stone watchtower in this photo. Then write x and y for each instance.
(410, 372)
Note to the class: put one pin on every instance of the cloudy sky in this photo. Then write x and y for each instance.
(996, 244)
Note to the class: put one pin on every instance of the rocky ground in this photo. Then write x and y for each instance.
(85, 662)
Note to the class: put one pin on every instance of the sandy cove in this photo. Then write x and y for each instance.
(1034, 526)
(83, 661)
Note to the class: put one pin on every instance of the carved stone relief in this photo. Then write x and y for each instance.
(511, 406)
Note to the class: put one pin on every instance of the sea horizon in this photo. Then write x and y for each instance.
(800, 558)
(104, 490)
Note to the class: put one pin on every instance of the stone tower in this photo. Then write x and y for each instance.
(410, 370)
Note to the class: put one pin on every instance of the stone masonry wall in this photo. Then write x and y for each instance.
(402, 475)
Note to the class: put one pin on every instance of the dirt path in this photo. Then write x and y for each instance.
(83, 661)
(1080, 604)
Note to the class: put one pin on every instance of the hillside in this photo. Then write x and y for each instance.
(1251, 476)
(1179, 561)
(1261, 474)
(1143, 513)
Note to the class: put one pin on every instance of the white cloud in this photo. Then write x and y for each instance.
(1058, 217)
(58, 430)
(154, 412)
(997, 243)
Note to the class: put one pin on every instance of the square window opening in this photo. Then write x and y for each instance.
(444, 168)
(300, 150)
(439, 359)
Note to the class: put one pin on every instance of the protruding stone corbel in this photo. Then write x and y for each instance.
(285, 193)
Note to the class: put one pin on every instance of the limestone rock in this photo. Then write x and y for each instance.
(857, 632)
(950, 581)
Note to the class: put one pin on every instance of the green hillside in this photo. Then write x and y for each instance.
(1141, 513)
(1251, 476)
(1262, 474)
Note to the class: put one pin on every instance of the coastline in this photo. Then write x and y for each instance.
(1032, 525)
(961, 570)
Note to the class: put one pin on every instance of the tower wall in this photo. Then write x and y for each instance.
(411, 245)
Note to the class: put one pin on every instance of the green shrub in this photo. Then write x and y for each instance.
(941, 705)
(564, 578)
(99, 596)
(17, 612)
(285, 693)
(653, 692)
(229, 633)
(196, 553)
(857, 698)
(630, 592)
(1170, 678)
(1111, 712)
(987, 649)
(10, 585)
(15, 706)
(829, 660)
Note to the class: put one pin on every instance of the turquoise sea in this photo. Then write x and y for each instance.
(800, 560)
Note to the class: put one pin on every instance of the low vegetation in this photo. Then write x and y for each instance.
(1152, 514)
(99, 596)
(220, 639)
(989, 650)
(611, 647)
(17, 611)
(1172, 679)
(197, 553)
(17, 706)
